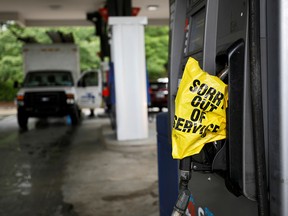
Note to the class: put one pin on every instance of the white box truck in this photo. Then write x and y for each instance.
(53, 85)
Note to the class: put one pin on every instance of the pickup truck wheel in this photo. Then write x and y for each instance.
(92, 114)
(75, 118)
(22, 119)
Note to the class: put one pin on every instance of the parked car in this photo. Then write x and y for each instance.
(159, 93)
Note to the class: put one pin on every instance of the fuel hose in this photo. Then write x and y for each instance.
(257, 108)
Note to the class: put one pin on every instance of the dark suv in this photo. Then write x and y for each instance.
(159, 93)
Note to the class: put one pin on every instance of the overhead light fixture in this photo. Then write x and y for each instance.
(152, 7)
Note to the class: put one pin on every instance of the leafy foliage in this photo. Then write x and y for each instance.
(156, 39)
(7, 91)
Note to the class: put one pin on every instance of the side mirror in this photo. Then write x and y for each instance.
(16, 85)
(81, 83)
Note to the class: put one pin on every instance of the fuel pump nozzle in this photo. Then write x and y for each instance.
(184, 192)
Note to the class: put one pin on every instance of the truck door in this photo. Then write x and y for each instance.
(89, 90)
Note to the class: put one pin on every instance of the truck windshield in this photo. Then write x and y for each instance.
(48, 78)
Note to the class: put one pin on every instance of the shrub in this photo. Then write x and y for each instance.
(7, 91)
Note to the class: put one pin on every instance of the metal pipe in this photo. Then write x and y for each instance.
(257, 108)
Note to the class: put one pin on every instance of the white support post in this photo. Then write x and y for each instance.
(128, 56)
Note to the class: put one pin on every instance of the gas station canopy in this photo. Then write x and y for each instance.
(73, 12)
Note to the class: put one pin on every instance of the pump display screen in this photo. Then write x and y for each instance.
(196, 29)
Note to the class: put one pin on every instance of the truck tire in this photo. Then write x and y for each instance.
(75, 118)
(22, 119)
(92, 114)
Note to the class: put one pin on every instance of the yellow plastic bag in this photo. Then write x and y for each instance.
(200, 111)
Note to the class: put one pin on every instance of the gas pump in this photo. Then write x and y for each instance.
(227, 177)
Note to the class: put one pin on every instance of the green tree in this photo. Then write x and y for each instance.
(156, 42)
(10, 59)
(10, 64)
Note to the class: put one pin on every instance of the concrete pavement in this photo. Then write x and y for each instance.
(102, 176)
(7, 109)
(108, 180)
